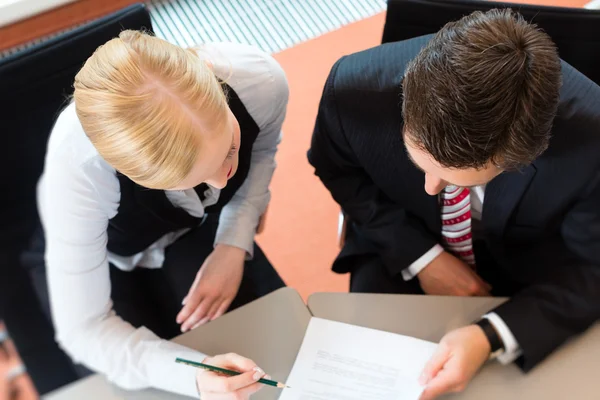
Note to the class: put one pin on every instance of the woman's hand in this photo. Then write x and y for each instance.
(214, 288)
(4, 368)
(15, 384)
(212, 386)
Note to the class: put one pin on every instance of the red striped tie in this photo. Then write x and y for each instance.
(456, 223)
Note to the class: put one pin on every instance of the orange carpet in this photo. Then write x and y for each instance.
(300, 237)
(301, 232)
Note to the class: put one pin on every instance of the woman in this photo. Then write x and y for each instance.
(155, 179)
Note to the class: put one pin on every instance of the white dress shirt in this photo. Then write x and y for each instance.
(593, 5)
(79, 193)
(512, 348)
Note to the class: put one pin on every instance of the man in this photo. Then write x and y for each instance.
(506, 140)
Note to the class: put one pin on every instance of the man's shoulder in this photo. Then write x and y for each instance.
(377, 69)
(579, 106)
(576, 129)
(577, 89)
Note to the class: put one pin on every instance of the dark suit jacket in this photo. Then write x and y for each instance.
(542, 224)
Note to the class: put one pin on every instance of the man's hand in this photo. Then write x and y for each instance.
(446, 275)
(460, 354)
(212, 386)
(214, 288)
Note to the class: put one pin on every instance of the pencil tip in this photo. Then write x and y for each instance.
(283, 386)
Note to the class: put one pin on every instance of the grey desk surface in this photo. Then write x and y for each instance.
(269, 331)
(572, 372)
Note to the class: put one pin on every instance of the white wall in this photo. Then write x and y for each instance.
(15, 10)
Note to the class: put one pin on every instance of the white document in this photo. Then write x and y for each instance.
(345, 362)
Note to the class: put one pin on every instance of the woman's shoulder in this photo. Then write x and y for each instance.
(68, 142)
(74, 165)
(255, 76)
(238, 61)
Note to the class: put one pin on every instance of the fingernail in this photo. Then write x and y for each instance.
(200, 323)
(423, 380)
(259, 373)
(268, 377)
(183, 328)
(183, 301)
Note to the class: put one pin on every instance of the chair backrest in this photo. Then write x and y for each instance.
(576, 31)
(34, 86)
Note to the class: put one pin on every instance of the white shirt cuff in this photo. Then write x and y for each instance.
(512, 349)
(166, 374)
(237, 229)
(413, 269)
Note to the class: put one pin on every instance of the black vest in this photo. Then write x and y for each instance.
(146, 215)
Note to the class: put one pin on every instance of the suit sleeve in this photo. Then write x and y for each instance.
(396, 235)
(566, 301)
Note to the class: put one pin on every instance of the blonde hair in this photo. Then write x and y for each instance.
(142, 101)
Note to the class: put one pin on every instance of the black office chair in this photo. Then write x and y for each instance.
(34, 86)
(576, 31)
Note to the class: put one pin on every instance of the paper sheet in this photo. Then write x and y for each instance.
(345, 362)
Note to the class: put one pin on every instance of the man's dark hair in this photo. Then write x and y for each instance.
(484, 89)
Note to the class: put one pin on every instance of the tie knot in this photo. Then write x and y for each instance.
(451, 192)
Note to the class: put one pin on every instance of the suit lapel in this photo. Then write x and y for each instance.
(502, 195)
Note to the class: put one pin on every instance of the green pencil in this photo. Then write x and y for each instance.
(228, 372)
